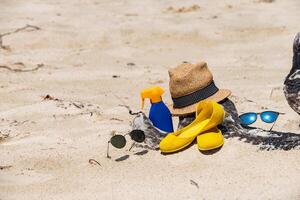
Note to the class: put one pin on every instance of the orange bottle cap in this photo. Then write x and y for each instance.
(153, 93)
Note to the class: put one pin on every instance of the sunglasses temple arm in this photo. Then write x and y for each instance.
(107, 151)
(272, 126)
(132, 146)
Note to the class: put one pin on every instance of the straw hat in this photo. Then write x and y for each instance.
(191, 83)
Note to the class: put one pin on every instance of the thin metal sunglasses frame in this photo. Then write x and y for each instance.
(135, 141)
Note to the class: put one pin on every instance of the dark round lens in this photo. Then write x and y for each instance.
(118, 141)
(248, 118)
(137, 135)
(269, 116)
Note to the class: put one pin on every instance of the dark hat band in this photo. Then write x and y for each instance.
(195, 97)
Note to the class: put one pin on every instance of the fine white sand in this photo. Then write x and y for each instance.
(46, 144)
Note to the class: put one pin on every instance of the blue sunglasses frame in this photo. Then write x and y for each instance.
(264, 116)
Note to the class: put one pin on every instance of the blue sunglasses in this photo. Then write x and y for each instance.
(266, 116)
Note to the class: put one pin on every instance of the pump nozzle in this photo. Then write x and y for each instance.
(153, 93)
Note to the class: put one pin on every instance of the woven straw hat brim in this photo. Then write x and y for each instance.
(219, 96)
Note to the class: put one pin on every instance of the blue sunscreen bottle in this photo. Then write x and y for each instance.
(159, 114)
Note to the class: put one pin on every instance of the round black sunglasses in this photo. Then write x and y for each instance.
(119, 141)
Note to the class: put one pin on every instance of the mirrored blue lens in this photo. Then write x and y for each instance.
(269, 116)
(248, 118)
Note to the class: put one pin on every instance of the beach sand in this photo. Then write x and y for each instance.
(95, 55)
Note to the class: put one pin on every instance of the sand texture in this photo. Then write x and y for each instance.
(66, 67)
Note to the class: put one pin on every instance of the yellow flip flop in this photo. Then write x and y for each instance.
(209, 115)
(210, 140)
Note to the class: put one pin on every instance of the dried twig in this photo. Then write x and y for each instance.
(94, 162)
(27, 27)
(22, 70)
(129, 110)
(5, 167)
(194, 183)
(78, 106)
(116, 119)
